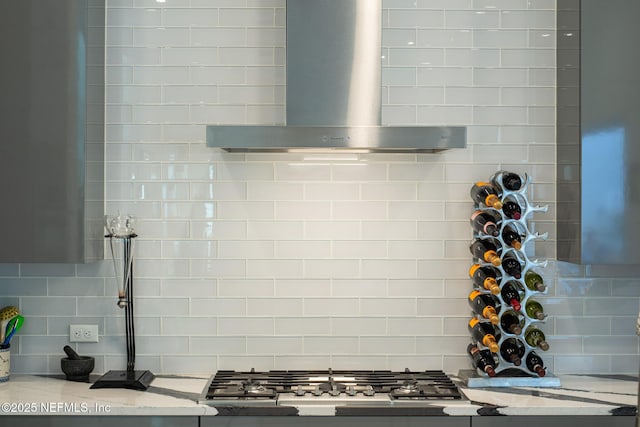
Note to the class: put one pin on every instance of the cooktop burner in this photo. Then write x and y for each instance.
(326, 386)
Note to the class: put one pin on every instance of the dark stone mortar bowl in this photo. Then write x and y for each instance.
(77, 369)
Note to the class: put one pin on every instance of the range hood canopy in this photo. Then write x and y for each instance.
(334, 89)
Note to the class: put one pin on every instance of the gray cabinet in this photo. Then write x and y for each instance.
(554, 421)
(52, 130)
(598, 132)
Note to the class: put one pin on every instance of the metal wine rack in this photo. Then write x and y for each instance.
(508, 374)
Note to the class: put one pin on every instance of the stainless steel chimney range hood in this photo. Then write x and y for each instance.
(334, 89)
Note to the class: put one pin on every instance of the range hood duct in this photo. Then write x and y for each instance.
(334, 89)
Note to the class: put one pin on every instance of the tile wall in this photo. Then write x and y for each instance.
(312, 261)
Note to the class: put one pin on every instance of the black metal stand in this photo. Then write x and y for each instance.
(130, 379)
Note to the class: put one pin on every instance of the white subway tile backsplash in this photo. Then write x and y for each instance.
(472, 96)
(330, 306)
(446, 38)
(416, 287)
(416, 18)
(536, 19)
(188, 364)
(246, 56)
(338, 345)
(449, 115)
(218, 229)
(131, 17)
(302, 288)
(253, 210)
(448, 76)
(14, 286)
(471, 19)
(399, 115)
(217, 268)
(415, 326)
(495, 115)
(399, 76)
(302, 210)
(323, 230)
(528, 57)
(389, 191)
(418, 210)
(358, 326)
(160, 36)
(274, 345)
(291, 261)
(499, 77)
(274, 268)
(416, 95)
(302, 326)
(189, 17)
(245, 249)
(247, 17)
(49, 306)
(218, 307)
(359, 210)
(416, 57)
(244, 326)
(387, 345)
(447, 345)
(398, 37)
(389, 229)
(388, 306)
(331, 191)
(358, 287)
(188, 326)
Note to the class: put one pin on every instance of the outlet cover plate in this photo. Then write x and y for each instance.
(83, 333)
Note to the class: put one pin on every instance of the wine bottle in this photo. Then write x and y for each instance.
(485, 333)
(483, 193)
(510, 322)
(510, 295)
(510, 180)
(484, 222)
(534, 310)
(512, 350)
(485, 276)
(511, 209)
(511, 265)
(535, 338)
(534, 281)
(482, 359)
(484, 305)
(485, 250)
(535, 364)
(511, 237)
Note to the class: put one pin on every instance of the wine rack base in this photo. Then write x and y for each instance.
(474, 380)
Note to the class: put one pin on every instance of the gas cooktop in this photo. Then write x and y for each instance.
(328, 387)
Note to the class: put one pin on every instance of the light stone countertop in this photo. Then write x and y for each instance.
(178, 395)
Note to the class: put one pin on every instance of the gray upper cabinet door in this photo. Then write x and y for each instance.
(598, 132)
(52, 130)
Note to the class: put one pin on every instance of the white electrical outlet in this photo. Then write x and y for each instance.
(83, 333)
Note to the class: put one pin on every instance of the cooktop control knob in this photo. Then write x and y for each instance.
(351, 391)
(300, 391)
(369, 391)
(334, 391)
(317, 391)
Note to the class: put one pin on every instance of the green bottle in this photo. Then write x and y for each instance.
(534, 281)
(534, 310)
(535, 338)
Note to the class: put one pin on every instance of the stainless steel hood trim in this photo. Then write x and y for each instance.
(366, 139)
(333, 92)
